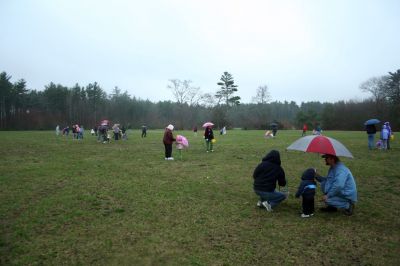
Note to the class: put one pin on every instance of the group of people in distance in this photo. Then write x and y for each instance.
(316, 131)
(385, 136)
(338, 187)
(168, 139)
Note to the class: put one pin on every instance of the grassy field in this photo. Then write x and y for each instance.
(69, 202)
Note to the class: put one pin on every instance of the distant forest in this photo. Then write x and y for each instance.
(23, 109)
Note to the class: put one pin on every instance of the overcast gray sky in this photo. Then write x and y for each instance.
(311, 50)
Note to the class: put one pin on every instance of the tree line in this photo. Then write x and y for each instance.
(24, 109)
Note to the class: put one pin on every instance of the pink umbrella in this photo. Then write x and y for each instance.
(104, 122)
(320, 144)
(208, 124)
(182, 140)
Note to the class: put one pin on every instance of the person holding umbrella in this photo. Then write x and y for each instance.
(371, 131)
(266, 175)
(339, 186)
(209, 136)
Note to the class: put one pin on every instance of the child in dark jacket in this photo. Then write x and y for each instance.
(307, 191)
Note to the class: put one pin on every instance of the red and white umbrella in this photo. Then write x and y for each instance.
(320, 144)
(208, 124)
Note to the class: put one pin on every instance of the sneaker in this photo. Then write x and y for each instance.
(171, 158)
(212, 150)
(206, 151)
(259, 204)
(306, 215)
(267, 206)
(328, 209)
(166, 158)
(350, 210)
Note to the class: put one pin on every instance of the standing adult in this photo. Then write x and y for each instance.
(371, 131)
(116, 131)
(266, 175)
(168, 140)
(144, 131)
(209, 136)
(274, 129)
(304, 130)
(57, 130)
(339, 187)
(195, 130)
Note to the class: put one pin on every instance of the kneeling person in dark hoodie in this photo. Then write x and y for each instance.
(266, 175)
(307, 191)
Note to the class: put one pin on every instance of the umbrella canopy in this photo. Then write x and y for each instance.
(104, 122)
(208, 124)
(320, 144)
(182, 140)
(372, 121)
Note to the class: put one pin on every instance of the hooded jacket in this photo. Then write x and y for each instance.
(308, 185)
(168, 137)
(269, 172)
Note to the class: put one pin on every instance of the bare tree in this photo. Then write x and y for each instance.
(207, 100)
(263, 96)
(184, 92)
(376, 86)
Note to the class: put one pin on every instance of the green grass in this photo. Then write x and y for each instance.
(71, 202)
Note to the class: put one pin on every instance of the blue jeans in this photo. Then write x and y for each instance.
(274, 198)
(371, 141)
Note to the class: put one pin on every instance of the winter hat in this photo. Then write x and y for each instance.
(308, 174)
(170, 127)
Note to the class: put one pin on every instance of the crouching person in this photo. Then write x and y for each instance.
(266, 175)
(339, 186)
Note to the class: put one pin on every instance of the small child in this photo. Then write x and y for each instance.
(379, 144)
(384, 137)
(307, 191)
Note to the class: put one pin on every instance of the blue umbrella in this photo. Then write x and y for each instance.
(372, 122)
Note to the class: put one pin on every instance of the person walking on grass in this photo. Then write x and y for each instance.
(304, 130)
(266, 175)
(339, 187)
(144, 131)
(168, 140)
(209, 136)
(307, 191)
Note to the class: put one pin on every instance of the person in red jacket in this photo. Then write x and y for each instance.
(168, 140)
(304, 130)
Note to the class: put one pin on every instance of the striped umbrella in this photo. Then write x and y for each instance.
(320, 144)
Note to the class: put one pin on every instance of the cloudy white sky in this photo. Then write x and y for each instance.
(310, 50)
